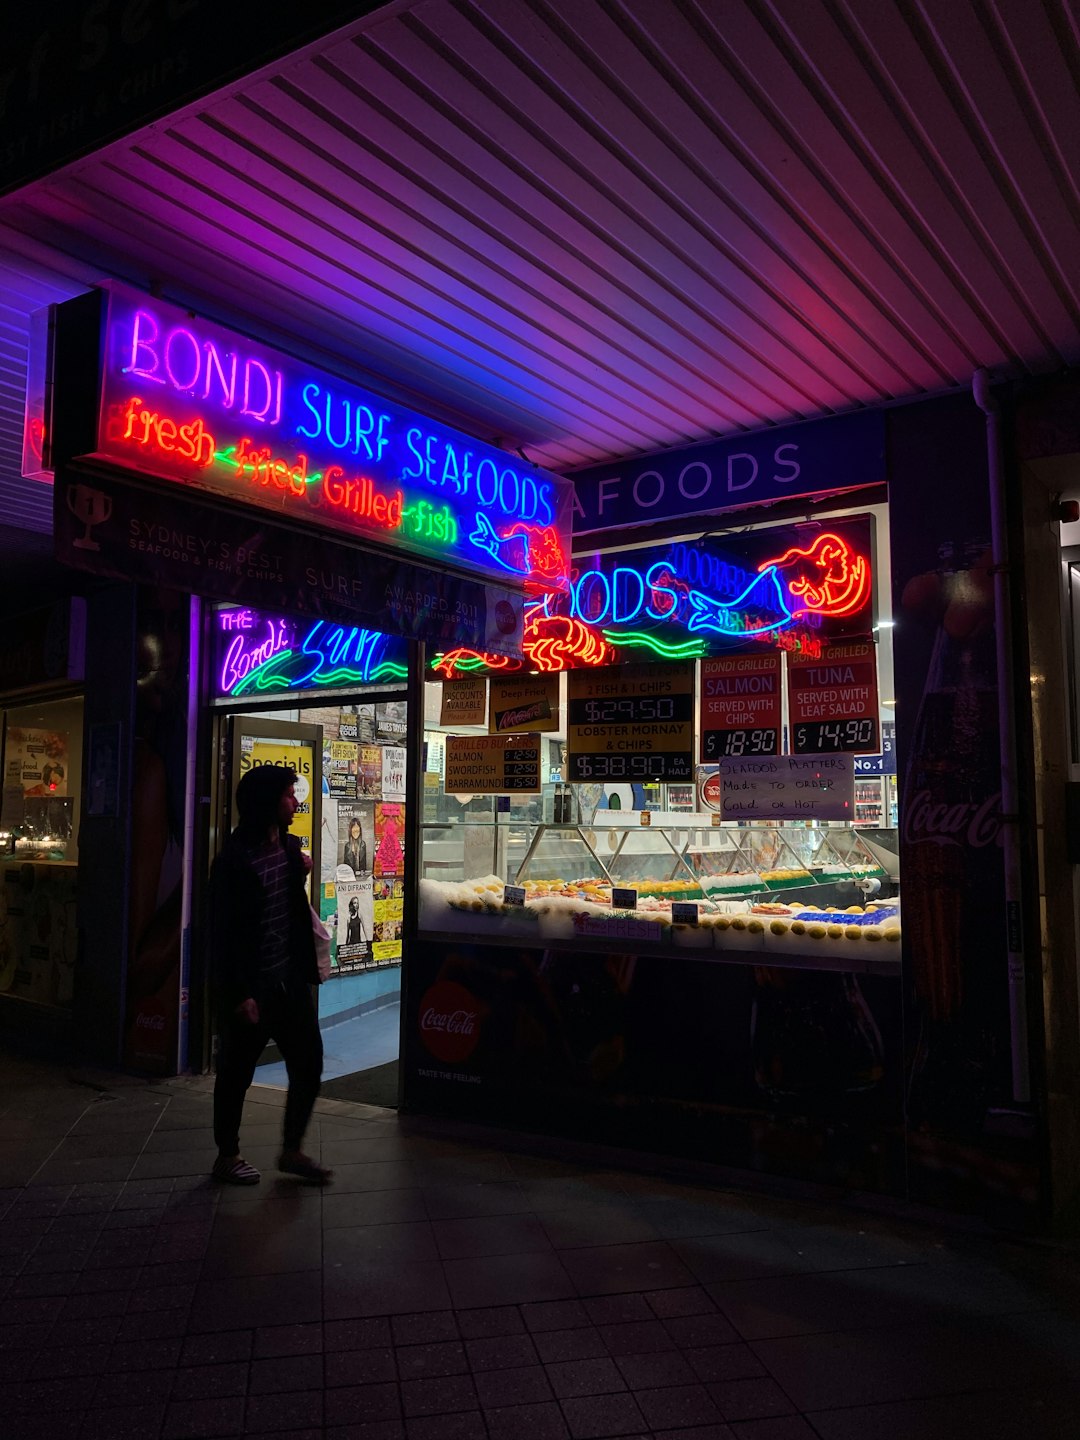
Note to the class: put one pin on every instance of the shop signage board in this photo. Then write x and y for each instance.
(190, 402)
(261, 652)
(109, 527)
(523, 702)
(885, 763)
(821, 457)
(492, 764)
(833, 700)
(464, 701)
(741, 705)
(632, 723)
(788, 787)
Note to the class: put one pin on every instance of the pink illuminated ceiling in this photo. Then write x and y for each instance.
(595, 229)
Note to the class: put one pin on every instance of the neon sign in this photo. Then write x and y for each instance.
(188, 401)
(255, 653)
(684, 601)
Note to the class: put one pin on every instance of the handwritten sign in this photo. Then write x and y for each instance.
(788, 787)
(464, 702)
(492, 764)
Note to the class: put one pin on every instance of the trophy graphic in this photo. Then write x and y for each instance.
(91, 507)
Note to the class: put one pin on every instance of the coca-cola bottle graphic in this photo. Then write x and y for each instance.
(950, 827)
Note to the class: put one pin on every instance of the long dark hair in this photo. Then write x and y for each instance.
(258, 795)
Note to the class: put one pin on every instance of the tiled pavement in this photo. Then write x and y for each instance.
(444, 1291)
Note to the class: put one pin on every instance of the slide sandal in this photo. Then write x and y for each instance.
(234, 1170)
(306, 1169)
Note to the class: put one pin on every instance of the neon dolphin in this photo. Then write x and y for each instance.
(509, 551)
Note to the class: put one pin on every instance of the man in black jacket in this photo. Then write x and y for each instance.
(263, 957)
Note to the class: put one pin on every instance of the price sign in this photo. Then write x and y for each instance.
(623, 899)
(633, 723)
(492, 765)
(833, 700)
(740, 705)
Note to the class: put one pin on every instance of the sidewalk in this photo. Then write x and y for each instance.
(443, 1291)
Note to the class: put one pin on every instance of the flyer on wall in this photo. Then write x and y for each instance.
(355, 834)
(389, 834)
(389, 905)
(369, 773)
(393, 772)
(355, 925)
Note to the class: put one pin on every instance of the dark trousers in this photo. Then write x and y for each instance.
(286, 1015)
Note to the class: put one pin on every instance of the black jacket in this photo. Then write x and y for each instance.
(236, 901)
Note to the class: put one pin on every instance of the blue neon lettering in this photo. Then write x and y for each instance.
(654, 583)
(592, 580)
(412, 438)
(511, 503)
(450, 470)
(627, 594)
(305, 395)
(487, 499)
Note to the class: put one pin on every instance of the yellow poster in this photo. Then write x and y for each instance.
(300, 754)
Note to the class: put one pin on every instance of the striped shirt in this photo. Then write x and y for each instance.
(271, 865)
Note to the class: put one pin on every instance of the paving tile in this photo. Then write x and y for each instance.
(204, 1382)
(607, 1269)
(294, 1410)
(490, 1235)
(383, 1288)
(639, 1337)
(345, 1210)
(601, 1415)
(687, 1300)
(744, 1256)
(554, 1315)
(248, 1301)
(424, 1329)
(794, 1427)
(219, 1348)
(520, 1385)
(501, 1352)
(122, 1422)
(696, 1432)
(369, 1366)
(491, 1321)
(82, 1307)
(438, 1396)
(657, 1368)
(133, 1387)
(692, 1331)
(80, 1332)
(377, 1175)
(520, 1279)
(556, 1346)
(143, 1355)
(356, 1334)
(195, 1419)
(369, 1430)
(579, 1226)
(750, 1399)
(69, 1360)
(421, 1362)
(571, 1378)
(142, 1325)
(527, 1422)
(462, 1425)
(713, 1363)
(449, 1201)
(286, 1373)
(676, 1406)
(1043, 1414)
(289, 1340)
(618, 1309)
(360, 1404)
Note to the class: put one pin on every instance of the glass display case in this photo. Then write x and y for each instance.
(800, 894)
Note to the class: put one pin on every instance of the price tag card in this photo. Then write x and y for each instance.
(513, 894)
(833, 700)
(740, 705)
(623, 899)
(492, 765)
(631, 723)
(683, 912)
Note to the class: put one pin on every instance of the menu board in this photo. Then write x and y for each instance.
(635, 722)
(523, 702)
(740, 705)
(833, 700)
(492, 765)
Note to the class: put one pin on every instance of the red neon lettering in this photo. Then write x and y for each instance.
(359, 496)
(262, 467)
(159, 432)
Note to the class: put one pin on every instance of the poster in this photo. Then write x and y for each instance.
(393, 772)
(355, 832)
(36, 761)
(389, 904)
(299, 754)
(340, 768)
(369, 772)
(355, 925)
(103, 767)
(391, 720)
(389, 835)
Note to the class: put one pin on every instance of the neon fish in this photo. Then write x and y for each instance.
(509, 551)
(765, 593)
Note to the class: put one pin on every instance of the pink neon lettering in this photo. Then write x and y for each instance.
(174, 379)
(139, 342)
(272, 390)
(213, 362)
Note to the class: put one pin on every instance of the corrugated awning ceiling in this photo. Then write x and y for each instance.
(592, 228)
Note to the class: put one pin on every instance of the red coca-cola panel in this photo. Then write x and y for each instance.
(450, 1020)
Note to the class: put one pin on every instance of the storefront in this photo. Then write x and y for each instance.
(737, 892)
(288, 542)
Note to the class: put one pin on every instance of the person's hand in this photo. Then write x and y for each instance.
(248, 1011)
(306, 858)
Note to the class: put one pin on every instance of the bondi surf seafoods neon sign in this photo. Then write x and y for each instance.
(790, 587)
(189, 401)
(259, 652)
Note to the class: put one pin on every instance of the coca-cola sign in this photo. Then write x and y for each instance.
(971, 823)
(450, 1020)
